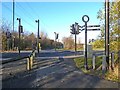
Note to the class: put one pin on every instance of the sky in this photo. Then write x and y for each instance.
(53, 16)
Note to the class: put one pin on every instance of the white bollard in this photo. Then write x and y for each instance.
(104, 64)
(93, 61)
(31, 62)
(28, 64)
(33, 55)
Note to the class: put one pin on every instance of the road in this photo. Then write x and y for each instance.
(51, 73)
(44, 53)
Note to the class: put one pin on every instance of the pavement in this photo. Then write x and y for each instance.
(51, 73)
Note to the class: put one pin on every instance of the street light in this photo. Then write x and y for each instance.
(38, 37)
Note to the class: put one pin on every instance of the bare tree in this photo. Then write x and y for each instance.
(68, 42)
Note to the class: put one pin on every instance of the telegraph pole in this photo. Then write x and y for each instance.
(13, 24)
(37, 21)
(107, 32)
(13, 13)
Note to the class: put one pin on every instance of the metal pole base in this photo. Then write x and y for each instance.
(86, 67)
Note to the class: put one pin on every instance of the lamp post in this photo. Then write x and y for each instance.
(37, 21)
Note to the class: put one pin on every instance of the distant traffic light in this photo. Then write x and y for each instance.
(57, 36)
(8, 34)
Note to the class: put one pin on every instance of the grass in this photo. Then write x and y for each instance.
(80, 62)
(113, 75)
(109, 75)
(98, 48)
(78, 49)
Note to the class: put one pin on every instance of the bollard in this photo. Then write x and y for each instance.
(112, 61)
(33, 55)
(28, 63)
(104, 64)
(31, 62)
(94, 57)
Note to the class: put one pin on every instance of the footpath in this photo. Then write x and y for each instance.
(52, 73)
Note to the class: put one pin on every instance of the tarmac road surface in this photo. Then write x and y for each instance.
(53, 73)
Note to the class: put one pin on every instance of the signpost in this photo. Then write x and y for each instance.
(85, 21)
(75, 30)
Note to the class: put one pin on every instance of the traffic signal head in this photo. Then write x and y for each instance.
(72, 28)
(78, 29)
(8, 34)
(21, 28)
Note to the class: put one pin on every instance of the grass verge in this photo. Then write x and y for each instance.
(109, 75)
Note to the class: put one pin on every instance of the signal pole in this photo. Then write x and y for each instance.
(55, 40)
(19, 30)
(75, 30)
(75, 36)
(37, 21)
(56, 37)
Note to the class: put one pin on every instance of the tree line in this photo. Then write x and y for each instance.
(114, 27)
(27, 40)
